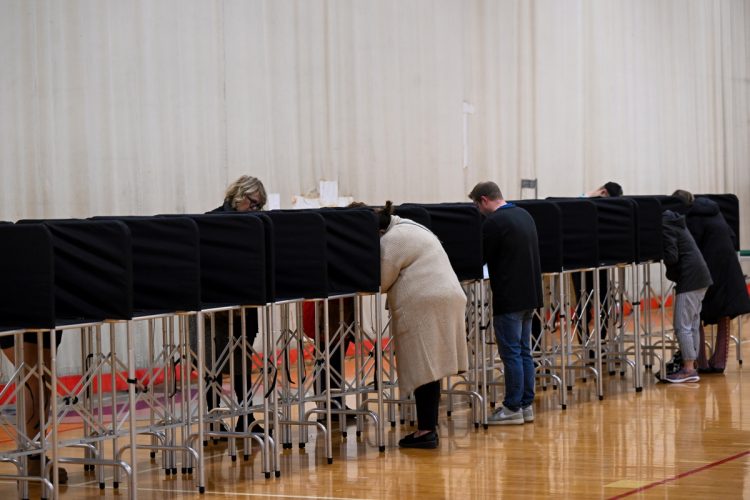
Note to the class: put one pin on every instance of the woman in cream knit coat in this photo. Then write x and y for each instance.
(427, 306)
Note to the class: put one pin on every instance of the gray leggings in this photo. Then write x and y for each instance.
(687, 322)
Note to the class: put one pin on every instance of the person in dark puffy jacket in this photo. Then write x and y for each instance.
(687, 268)
(727, 298)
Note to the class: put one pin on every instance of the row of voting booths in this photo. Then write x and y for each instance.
(145, 280)
(170, 281)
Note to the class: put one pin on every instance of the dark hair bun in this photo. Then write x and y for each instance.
(384, 215)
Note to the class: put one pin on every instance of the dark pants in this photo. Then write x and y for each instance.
(337, 370)
(427, 397)
(221, 338)
(587, 314)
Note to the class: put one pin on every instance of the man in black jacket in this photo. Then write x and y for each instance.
(511, 251)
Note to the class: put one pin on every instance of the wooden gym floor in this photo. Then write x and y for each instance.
(669, 441)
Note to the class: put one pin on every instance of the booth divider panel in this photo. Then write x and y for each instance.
(300, 254)
(416, 213)
(353, 250)
(580, 233)
(166, 263)
(548, 220)
(648, 228)
(232, 257)
(616, 219)
(93, 270)
(458, 226)
(27, 298)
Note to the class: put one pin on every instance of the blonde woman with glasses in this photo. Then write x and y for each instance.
(246, 194)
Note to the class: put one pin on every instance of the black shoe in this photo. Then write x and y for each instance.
(710, 369)
(223, 429)
(255, 429)
(426, 441)
(335, 417)
(349, 418)
(35, 469)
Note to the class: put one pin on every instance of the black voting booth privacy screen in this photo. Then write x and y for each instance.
(93, 270)
(458, 226)
(166, 263)
(729, 205)
(352, 250)
(232, 257)
(416, 213)
(580, 233)
(27, 298)
(548, 220)
(300, 254)
(648, 232)
(616, 221)
(270, 258)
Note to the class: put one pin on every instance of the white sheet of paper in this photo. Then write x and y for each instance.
(274, 201)
(329, 193)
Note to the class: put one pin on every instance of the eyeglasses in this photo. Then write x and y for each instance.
(254, 204)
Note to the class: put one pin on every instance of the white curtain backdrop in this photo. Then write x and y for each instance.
(142, 107)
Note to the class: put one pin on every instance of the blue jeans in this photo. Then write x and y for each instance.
(513, 334)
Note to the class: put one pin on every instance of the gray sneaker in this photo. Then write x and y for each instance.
(528, 414)
(682, 376)
(505, 416)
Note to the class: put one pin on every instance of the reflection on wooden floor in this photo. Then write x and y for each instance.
(676, 441)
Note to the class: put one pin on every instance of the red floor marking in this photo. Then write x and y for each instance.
(680, 476)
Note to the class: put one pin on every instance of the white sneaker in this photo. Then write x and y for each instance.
(505, 416)
(528, 414)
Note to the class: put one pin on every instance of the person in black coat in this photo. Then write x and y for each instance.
(246, 194)
(727, 298)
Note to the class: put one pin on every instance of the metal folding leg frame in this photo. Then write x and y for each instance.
(312, 393)
(13, 418)
(546, 346)
(211, 423)
(588, 339)
(472, 380)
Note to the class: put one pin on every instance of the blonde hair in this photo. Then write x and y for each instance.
(244, 186)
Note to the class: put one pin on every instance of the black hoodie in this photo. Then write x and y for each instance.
(685, 264)
(728, 295)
